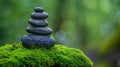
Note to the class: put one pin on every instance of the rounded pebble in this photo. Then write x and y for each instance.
(36, 15)
(39, 30)
(38, 9)
(38, 23)
(37, 40)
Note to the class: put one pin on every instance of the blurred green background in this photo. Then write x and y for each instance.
(90, 25)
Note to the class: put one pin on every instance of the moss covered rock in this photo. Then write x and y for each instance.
(15, 55)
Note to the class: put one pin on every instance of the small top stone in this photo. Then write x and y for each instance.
(38, 9)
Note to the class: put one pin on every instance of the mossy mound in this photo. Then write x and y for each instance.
(14, 55)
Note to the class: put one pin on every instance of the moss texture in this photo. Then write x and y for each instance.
(15, 55)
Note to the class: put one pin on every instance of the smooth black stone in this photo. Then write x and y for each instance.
(42, 15)
(39, 30)
(38, 9)
(38, 23)
(37, 40)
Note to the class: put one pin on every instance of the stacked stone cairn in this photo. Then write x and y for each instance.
(39, 34)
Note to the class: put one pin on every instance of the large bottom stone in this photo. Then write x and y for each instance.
(37, 40)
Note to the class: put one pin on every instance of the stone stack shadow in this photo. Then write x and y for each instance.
(39, 34)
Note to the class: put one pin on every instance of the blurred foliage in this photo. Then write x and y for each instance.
(91, 25)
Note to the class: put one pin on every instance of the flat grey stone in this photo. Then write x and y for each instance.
(37, 40)
(38, 22)
(38, 9)
(37, 15)
(39, 30)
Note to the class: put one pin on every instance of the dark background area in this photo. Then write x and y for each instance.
(90, 25)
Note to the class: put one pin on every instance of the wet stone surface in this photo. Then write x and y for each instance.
(38, 40)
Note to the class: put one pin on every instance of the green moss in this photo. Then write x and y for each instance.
(14, 55)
